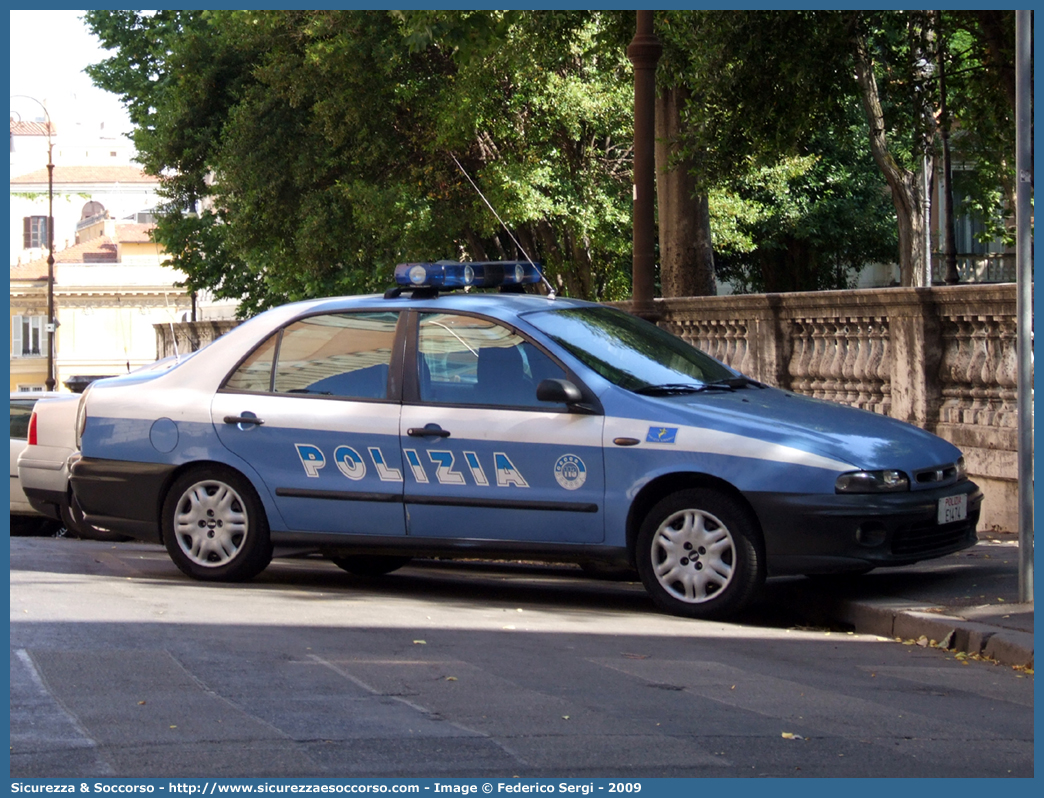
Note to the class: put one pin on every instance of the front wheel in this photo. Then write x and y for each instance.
(214, 527)
(699, 554)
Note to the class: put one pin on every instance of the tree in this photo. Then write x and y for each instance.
(774, 135)
(764, 84)
(683, 211)
(807, 222)
(306, 152)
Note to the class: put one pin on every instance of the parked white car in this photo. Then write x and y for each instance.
(24, 517)
(45, 453)
(43, 466)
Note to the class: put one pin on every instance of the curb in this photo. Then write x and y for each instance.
(894, 619)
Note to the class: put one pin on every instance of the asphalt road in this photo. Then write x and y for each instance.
(120, 666)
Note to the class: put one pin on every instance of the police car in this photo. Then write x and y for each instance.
(436, 422)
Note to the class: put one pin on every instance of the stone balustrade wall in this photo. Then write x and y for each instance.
(188, 336)
(942, 358)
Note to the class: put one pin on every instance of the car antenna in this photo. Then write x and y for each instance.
(550, 288)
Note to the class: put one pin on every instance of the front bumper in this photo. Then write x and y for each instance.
(807, 534)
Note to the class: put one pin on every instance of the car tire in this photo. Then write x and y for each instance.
(214, 526)
(369, 564)
(75, 523)
(699, 554)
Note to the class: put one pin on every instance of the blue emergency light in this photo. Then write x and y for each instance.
(450, 274)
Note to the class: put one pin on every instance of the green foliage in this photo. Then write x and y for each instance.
(807, 223)
(322, 143)
(304, 153)
(796, 202)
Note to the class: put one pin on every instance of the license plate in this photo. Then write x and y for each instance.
(953, 509)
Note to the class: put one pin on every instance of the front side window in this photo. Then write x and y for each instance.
(345, 355)
(626, 350)
(470, 360)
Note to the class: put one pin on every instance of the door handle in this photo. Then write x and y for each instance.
(251, 419)
(428, 431)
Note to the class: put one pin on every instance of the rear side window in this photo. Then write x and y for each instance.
(346, 355)
(21, 411)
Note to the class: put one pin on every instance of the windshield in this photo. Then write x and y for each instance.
(626, 350)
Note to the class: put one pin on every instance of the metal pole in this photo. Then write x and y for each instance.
(1024, 262)
(50, 259)
(51, 322)
(644, 51)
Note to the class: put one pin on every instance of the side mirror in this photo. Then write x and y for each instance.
(561, 392)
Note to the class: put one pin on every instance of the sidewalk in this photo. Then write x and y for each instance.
(965, 602)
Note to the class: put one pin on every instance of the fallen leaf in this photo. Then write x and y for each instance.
(141, 703)
(565, 717)
(922, 641)
(788, 735)
(451, 678)
(420, 642)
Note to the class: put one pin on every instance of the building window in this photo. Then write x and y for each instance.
(28, 336)
(34, 232)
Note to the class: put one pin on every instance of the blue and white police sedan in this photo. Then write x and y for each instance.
(426, 422)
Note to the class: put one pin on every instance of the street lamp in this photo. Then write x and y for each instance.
(50, 240)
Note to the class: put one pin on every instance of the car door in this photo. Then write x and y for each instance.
(315, 410)
(482, 457)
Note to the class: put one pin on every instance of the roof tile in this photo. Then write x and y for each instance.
(88, 174)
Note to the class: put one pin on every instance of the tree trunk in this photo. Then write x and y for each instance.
(907, 187)
(949, 244)
(686, 253)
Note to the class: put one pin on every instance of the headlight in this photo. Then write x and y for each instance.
(872, 482)
(962, 469)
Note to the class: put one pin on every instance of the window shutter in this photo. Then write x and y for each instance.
(27, 232)
(16, 336)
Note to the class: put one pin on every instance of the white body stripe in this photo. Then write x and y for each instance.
(709, 441)
(507, 426)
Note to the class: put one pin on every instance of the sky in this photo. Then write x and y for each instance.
(58, 80)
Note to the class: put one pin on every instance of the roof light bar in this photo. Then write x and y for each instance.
(448, 274)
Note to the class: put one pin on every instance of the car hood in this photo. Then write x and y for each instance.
(864, 439)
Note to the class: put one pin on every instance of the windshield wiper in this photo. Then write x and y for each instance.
(675, 388)
(727, 384)
(735, 382)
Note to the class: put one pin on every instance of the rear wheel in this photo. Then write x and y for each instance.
(369, 564)
(214, 527)
(699, 554)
